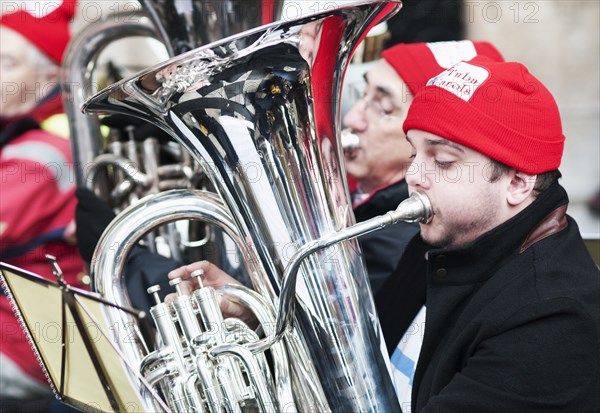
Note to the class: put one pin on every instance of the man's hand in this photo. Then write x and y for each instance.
(213, 277)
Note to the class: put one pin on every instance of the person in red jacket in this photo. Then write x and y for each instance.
(37, 200)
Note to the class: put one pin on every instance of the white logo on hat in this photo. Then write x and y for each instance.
(462, 79)
(447, 54)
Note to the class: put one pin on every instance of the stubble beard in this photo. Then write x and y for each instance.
(456, 234)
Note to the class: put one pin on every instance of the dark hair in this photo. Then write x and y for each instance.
(545, 180)
(542, 182)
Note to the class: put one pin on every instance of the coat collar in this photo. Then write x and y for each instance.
(478, 260)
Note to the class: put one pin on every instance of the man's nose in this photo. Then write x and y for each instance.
(355, 117)
(415, 176)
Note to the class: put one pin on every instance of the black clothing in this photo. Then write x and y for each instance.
(10, 130)
(92, 216)
(383, 248)
(406, 287)
(513, 319)
(430, 21)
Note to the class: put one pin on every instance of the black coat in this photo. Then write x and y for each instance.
(383, 248)
(513, 319)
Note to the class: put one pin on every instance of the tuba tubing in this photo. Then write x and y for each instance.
(416, 208)
(78, 86)
(109, 258)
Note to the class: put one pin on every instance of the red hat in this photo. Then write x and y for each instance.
(416, 63)
(44, 24)
(498, 109)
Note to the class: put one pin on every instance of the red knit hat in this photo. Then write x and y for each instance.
(416, 63)
(44, 23)
(496, 108)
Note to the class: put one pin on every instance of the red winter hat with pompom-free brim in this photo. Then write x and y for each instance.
(416, 63)
(44, 23)
(498, 109)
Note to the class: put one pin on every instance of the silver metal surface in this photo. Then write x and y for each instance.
(110, 256)
(187, 24)
(77, 82)
(121, 170)
(260, 112)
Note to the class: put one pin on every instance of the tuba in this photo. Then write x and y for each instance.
(259, 113)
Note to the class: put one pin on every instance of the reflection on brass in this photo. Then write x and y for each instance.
(275, 89)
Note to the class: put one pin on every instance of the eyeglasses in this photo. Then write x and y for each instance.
(378, 103)
(378, 106)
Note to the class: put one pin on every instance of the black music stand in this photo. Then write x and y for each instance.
(73, 341)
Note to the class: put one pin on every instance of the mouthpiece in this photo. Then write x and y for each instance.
(416, 208)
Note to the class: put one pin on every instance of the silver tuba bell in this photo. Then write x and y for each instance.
(259, 112)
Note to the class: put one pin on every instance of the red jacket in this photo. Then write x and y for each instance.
(37, 203)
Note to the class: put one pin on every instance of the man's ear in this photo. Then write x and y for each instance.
(520, 187)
